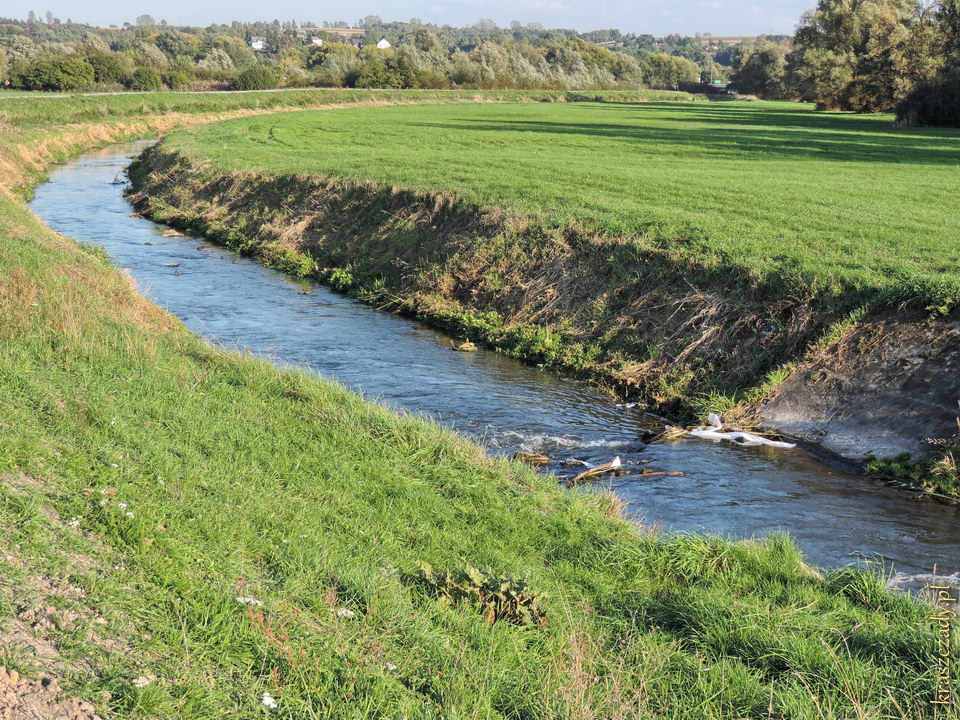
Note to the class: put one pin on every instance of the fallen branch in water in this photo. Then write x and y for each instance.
(534, 459)
(606, 467)
(716, 432)
(582, 480)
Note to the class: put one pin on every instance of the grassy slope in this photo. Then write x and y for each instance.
(241, 479)
(773, 188)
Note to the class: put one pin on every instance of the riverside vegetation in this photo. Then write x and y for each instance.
(689, 254)
(184, 529)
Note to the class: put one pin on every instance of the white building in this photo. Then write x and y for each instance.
(314, 40)
(258, 43)
(384, 44)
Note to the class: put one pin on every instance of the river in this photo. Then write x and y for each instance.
(500, 403)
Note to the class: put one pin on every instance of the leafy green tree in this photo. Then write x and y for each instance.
(761, 70)
(18, 48)
(149, 55)
(109, 67)
(948, 17)
(174, 43)
(93, 43)
(426, 40)
(864, 55)
(215, 61)
(937, 101)
(4, 68)
(293, 57)
(667, 71)
(239, 52)
(375, 72)
(67, 73)
(145, 79)
(177, 79)
(258, 77)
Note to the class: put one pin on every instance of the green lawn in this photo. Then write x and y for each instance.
(775, 187)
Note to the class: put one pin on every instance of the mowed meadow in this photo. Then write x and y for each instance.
(845, 201)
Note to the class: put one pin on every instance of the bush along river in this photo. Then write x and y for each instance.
(504, 405)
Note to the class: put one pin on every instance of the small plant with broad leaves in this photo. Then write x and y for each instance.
(501, 597)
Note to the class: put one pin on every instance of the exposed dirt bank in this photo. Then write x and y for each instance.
(649, 323)
(889, 384)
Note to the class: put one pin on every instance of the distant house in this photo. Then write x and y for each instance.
(313, 40)
(258, 43)
(384, 44)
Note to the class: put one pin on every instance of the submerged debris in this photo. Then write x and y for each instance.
(465, 347)
(534, 459)
(590, 472)
(716, 432)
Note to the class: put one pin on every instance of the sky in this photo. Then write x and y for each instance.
(657, 17)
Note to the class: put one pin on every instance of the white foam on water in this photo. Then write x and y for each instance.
(546, 443)
(902, 582)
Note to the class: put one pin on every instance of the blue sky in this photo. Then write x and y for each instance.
(659, 17)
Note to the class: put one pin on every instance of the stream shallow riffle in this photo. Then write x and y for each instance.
(504, 405)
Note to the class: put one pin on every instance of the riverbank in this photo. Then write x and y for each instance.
(569, 269)
(185, 529)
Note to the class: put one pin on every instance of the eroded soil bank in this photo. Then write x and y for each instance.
(650, 323)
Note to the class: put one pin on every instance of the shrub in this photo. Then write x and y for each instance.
(145, 79)
(932, 102)
(108, 67)
(64, 73)
(176, 79)
(259, 77)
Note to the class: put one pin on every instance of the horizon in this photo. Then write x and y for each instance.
(652, 17)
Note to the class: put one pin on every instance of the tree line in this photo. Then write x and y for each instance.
(865, 56)
(853, 55)
(149, 55)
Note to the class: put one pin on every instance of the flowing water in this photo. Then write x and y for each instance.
(507, 406)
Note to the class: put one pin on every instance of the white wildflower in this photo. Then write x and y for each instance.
(269, 701)
(245, 600)
(122, 505)
(343, 612)
(129, 514)
(142, 681)
(390, 666)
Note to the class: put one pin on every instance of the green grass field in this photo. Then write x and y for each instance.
(773, 187)
(148, 480)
